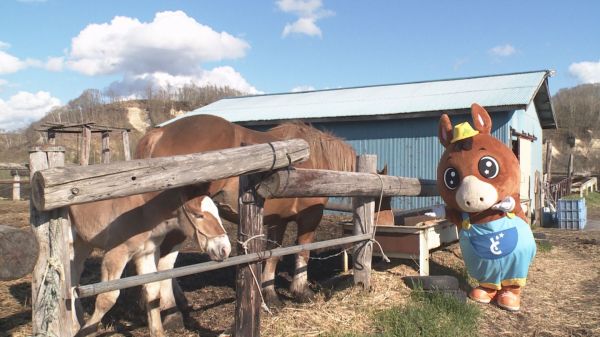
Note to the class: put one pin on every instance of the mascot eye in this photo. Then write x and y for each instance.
(451, 178)
(488, 167)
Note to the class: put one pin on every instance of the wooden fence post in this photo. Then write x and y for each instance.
(247, 290)
(52, 309)
(105, 147)
(363, 218)
(86, 143)
(126, 149)
(16, 192)
(548, 162)
(570, 174)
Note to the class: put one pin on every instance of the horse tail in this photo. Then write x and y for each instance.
(146, 145)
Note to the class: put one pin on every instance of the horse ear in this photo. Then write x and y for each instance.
(481, 119)
(384, 170)
(445, 130)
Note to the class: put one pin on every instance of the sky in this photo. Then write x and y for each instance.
(52, 50)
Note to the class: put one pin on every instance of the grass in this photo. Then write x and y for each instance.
(544, 246)
(427, 315)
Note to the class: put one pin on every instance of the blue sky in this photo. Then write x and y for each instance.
(52, 50)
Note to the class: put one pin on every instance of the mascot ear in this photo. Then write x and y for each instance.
(481, 119)
(445, 130)
(384, 170)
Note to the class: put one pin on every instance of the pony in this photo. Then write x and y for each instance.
(206, 133)
(478, 179)
(133, 228)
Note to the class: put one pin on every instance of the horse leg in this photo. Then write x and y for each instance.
(307, 221)
(145, 263)
(172, 317)
(113, 263)
(275, 231)
(81, 251)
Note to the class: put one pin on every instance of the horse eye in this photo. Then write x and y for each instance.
(199, 216)
(451, 178)
(488, 167)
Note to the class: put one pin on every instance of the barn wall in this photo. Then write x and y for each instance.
(527, 121)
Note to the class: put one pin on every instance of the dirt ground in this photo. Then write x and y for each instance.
(562, 297)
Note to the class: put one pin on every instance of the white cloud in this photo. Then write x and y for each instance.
(301, 88)
(586, 72)
(24, 108)
(4, 45)
(308, 12)
(220, 76)
(503, 50)
(55, 63)
(2, 84)
(10, 64)
(173, 43)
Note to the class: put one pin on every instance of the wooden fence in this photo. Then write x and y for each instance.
(15, 171)
(54, 188)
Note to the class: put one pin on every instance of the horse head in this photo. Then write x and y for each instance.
(476, 170)
(202, 214)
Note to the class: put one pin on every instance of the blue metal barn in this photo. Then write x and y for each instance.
(399, 122)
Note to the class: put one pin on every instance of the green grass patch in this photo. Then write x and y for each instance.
(427, 315)
(544, 246)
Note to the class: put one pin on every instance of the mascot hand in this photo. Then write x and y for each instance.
(437, 211)
(506, 205)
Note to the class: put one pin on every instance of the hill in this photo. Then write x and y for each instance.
(578, 118)
(105, 109)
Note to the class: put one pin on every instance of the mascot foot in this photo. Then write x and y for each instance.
(482, 294)
(509, 298)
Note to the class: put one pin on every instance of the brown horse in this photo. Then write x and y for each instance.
(133, 228)
(205, 133)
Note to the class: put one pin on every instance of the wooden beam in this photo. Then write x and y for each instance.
(247, 291)
(18, 252)
(71, 185)
(324, 183)
(548, 162)
(84, 147)
(105, 147)
(132, 281)
(364, 223)
(126, 147)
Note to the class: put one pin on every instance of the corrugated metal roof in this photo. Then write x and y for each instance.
(515, 90)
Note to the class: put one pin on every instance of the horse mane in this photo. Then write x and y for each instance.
(327, 151)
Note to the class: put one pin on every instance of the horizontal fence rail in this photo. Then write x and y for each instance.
(132, 281)
(65, 186)
(325, 183)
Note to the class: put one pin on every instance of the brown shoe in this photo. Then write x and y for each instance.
(482, 294)
(509, 298)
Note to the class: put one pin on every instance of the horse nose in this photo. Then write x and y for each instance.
(468, 203)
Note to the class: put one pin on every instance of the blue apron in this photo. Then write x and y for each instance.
(499, 252)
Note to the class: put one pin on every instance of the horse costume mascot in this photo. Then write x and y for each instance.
(478, 178)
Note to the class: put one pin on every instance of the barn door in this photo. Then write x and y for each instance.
(525, 164)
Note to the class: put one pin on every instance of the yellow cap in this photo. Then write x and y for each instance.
(463, 131)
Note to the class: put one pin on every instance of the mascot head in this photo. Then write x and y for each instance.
(476, 170)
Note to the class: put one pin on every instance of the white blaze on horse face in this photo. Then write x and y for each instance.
(474, 195)
(218, 247)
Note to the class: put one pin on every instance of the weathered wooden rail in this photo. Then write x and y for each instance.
(54, 188)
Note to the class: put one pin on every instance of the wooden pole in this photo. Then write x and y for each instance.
(105, 147)
(538, 199)
(570, 174)
(324, 183)
(126, 148)
(64, 186)
(247, 290)
(548, 162)
(133, 281)
(16, 192)
(84, 149)
(363, 218)
(52, 309)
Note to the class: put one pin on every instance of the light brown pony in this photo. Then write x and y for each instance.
(205, 133)
(133, 228)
